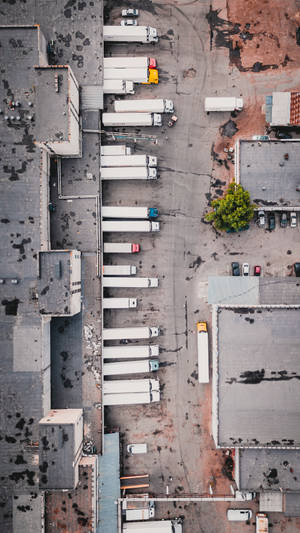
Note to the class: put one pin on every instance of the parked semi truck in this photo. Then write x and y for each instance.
(131, 398)
(115, 149)
(203, 352)
(129, 212)
(121, 248)
(139, 332)
(130, 367)
(138, 34)
(262, 523)
(134, 226)
(131, 119)
(222, 103)
(118, 87)
(130, 352)
(154, 105)
(119, 303)
(129, 62)
(119, 270)
(130, 385)
(136, 75)
(128, 173)
(137, 160)
(129, 282)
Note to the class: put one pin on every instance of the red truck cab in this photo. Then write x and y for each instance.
(152, 62)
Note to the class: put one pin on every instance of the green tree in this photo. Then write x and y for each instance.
(234, 211)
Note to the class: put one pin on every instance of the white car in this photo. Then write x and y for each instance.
(130, 12)
(137, 448)
(293, 219)
(129, 22)
(261, 218)
(239, 515)
(245, 269)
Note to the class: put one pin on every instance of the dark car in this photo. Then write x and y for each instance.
(297, 269)
(283, 220)
(282, 135)
(272, 222)
(235, 268)
(257, 270)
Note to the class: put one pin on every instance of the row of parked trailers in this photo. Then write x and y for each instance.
(118, 163)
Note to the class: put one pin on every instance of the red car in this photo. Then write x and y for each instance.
(257, 270)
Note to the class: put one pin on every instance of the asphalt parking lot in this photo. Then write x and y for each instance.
(181, 457)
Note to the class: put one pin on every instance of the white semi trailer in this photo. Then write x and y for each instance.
(126, 34)
(131, 119)
(139, 283)
(139, 332)
(115, 149)
(119, 303)
(136, 75)
(130, 351)
(128, 173)
(132, 226)
(157, 526)
(121, 248)
(153, 105)
(119, 86)
(131, 398)
(129, 62)
(223, 103)
(137, 160)
(121, 386)
(119, 270)
(130, 367)
(111, 211)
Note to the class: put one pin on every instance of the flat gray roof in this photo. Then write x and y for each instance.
(258, 376)
(269, 170)
(252, 290)
(54, 282)
(52, 104)
(264, 469)
(243, 290)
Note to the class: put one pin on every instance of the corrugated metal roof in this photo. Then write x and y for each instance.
(281, 109)
(292, 504)
(91, 97)
(295, 108)
(242, 290)
(109, 484)
(271, 502)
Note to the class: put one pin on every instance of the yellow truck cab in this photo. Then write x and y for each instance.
(153, 76)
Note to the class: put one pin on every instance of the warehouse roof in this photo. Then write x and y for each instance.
(269, 171)
(257, 378)
(265, 469)
(253, 290)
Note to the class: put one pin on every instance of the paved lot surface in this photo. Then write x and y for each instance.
(181, 452)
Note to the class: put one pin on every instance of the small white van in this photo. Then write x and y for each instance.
(239, 515)
(137, 448)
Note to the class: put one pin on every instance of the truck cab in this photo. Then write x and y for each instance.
(152, 62)
(153, 212)
(153, 76)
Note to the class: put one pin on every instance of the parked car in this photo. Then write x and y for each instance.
(137, 448)
(297, 269)
(293, 219)
(130, 12)
(257, 270)
(260, 138)
(283, 220)
(235, 269)
(261, 218)
(272, 221)
(239, 515)
(282, 135)
(245, 269)
(129, 22)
